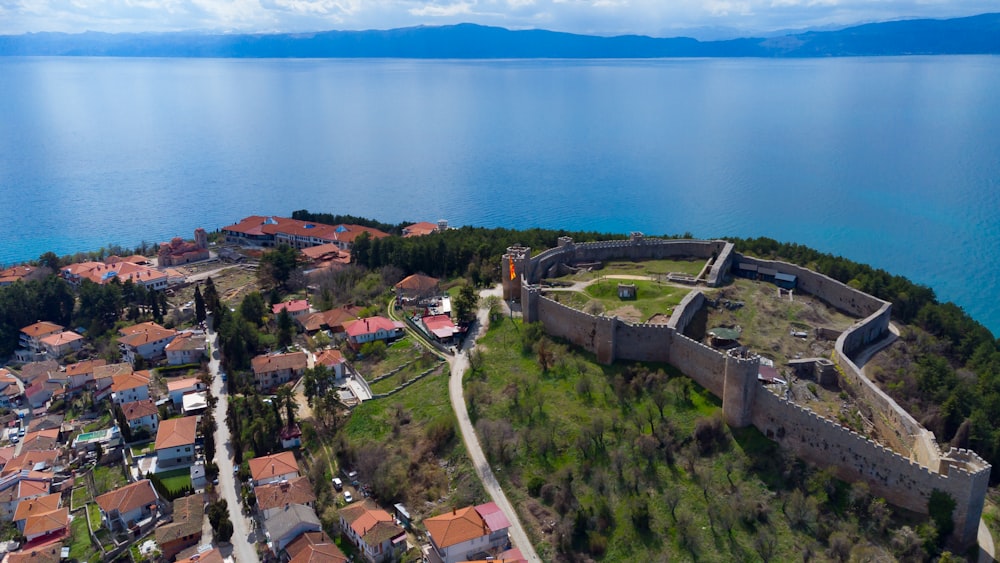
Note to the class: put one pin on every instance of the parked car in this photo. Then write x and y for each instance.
(338, 484)
(348, 498)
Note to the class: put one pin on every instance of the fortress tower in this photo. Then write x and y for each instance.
(512, 269)
(739, 388)
(200, 238)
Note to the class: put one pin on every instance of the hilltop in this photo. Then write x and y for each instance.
(970, 35)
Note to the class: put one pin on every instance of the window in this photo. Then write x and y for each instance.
(187, 449)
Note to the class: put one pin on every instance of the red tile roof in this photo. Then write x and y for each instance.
(314, 547)
(144, 333)
(40, 505)
(371, 325)
(60, 338)
(276, 495)
(330, 358)
(41, 328)
(46, 523)
(278, 362)
(273, 465)
(296, 306)
(257, 225)
(419, 229)
(128, 498)
(418, 282)
(48, 553)
(81, 368)
(139, 409)
(176, 432)
(455, 527)
(129, 381)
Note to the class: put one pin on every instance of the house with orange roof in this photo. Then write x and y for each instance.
(416, 287)
(332, 320)
(21, 273)
(39, 392)
(82, 373)
(273, 468)
(175, 440)
(423, 228)
(186, 348)
(130, 387)
(314, 547)
(185, 530)
(60, 344)
(296, 308)
(271, 231)
(46, 553)
(332, 359)
(211, 555)
(474, 532)
(371, 329)
(40, 440)
(440, 327)
(142, 414)
(40, 505)
(22, 486)
(123, 270)
(124, 507)
(279, 494)
(326, 256)
(276, 369)
(373, 531)
(146, 340)
(104, 377)
(30, 340)
(177, 388)
(29, 460)
(10, 391)
(46, 524)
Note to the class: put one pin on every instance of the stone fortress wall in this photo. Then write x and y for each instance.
(903, 481)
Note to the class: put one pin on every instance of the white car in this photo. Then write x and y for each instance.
(337, 483)
(348, 498)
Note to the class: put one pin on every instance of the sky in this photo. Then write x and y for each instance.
(706, 19)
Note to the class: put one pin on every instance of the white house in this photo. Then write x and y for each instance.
(178, 388)
(130, 387)
(371, 329)
(271, 371)
(467, 533)
(273, 468)
(175, 442)
(142, 414)
(186, 348)
(121, 508)
(146, 340)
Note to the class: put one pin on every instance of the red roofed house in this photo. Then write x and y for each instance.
(332, 359)
(326, 256)
(272, 231)
(185, 530)
(468, 533)
(175, 442)
(40, 505)
(44, 553)
(21, 486)
(142, 414)
(314, 547)
(104, 377)
(123, 507)
(21, 273)
(177, 388)
(60, 344)
(82, 373)
(332, 320)
(186, 348)
(416, 287)
(52, 523)
(102, 273)
(146, 340)
(271, 371)
(373, 531)
(440, 326)
(40, 440)
(130, 387)
(371, 329)
(273, 468)
(295, 309)
(424, 228)
(30, 340)
(273, 497)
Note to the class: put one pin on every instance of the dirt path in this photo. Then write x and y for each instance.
(459, 363)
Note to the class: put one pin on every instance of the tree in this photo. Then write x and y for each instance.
(286, 329)
(276, 266)
(199, 305)
(252, 308)
(941, 507)
(465, 304)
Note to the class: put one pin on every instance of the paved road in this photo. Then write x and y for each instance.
(987, 553)
(459, 363)
(244, 549)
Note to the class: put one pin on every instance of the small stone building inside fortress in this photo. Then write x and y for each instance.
(905, 474)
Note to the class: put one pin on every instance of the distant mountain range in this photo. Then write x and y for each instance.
(970, 35)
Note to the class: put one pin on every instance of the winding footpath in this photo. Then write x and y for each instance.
(459, 364)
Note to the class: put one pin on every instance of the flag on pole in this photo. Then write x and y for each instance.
(512, 274)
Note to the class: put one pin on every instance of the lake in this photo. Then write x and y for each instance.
(889, 161)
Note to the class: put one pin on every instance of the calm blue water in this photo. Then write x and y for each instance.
(890, 161)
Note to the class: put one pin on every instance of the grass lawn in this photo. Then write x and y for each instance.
(101, 423)
(147, 448)
(176, 479)
(399, 353)
(94, 515)
(407, 373)
(651, 268)
(426, 400)
(81, 496)
(80, 547)
(109, 478)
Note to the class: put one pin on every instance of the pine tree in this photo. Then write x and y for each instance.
(199, 305)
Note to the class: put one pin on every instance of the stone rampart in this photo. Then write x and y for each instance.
(594, 334)
(838, 295)
(707, 367)
(686, 310)
(546, 264)
(643, 342)
(899, 480)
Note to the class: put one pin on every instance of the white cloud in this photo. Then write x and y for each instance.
(653, 17)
